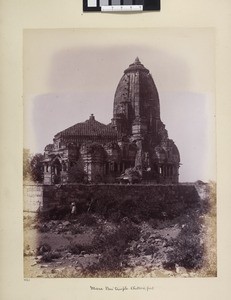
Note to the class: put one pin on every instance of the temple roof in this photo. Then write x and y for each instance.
(89, 128)
(49, 147)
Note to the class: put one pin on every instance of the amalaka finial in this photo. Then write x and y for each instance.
(137, 61)
(92, 117)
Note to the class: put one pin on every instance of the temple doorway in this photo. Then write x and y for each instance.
(56, 171)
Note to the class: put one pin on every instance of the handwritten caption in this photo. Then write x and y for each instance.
(122, 288)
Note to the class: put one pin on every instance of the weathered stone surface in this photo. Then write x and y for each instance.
(151, 199)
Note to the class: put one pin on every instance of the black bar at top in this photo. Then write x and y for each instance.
(151, 5)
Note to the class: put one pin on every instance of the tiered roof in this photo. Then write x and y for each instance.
(90, 128)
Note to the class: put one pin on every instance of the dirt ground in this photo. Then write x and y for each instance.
(89, 245)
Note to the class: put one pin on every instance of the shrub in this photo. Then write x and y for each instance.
(43, 228)
(78, 248)
(59, 212)
(129, 207)
(49, 256)
(43, 248)
(119, 239)
(188, 252)
(110, 264)
(113, 246)
(111, 260)
(116, 217)
(87, 219)
(150, 250)
(56, 213)
(77, 230)
(75, 248)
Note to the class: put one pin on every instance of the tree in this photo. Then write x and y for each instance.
(76, 173)
(36, 167)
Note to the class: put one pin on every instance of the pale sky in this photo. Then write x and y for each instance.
(69, 74)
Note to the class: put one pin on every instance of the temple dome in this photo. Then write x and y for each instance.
(89, 128)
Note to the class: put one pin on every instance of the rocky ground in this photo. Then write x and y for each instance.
(90, 245)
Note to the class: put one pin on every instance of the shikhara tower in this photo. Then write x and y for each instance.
(136, 139)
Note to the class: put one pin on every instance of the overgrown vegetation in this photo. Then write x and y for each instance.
(46, 254)
(111, 248)
(187, 251)
(32, 166)
(129, 233)
(76, 173)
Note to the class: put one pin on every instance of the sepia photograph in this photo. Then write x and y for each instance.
(119, 153)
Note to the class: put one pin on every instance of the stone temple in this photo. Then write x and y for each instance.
(136, 139)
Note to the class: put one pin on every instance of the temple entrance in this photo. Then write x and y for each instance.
(56, 171)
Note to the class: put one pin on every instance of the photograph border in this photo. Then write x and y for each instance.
(16, 17)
